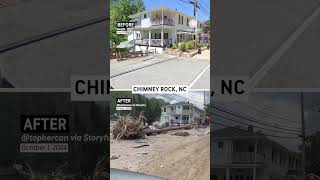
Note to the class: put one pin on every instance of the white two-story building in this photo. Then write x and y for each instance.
(160, 27)
(239, 154)
(182, 113)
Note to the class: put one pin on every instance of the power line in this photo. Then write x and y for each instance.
(220, 124)
(205, 3)
(51, 34)
(250, 119)
(240, 122)
(277, 126)
(203, 9)
(243, 117)
(269, 114)
(278, 116)
(198, 6)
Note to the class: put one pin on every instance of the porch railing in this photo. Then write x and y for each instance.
(154, 42)
(246, 157)
(157, 22)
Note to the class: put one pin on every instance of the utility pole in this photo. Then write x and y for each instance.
(196, 16)
(204, 97)
(303, 160)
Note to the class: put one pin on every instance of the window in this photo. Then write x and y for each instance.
(251, 149)
(182, 20)
(164, 109)
(273, 154)
(185, 107)
(179, 19)
(166, 35)
(187, 21)
(145, 16)
(177, 117)
(178, 107)
(220, 145)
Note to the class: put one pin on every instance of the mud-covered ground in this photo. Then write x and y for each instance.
(166, 155)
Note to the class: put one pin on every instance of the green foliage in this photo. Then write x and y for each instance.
(190, 44)
(185, 45)
(174, 46)
(120, 11)
(312, 153)
(182, 46)
(206, 27)
(152, 110)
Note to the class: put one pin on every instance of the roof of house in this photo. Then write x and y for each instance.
(159, 8)
(235, 132)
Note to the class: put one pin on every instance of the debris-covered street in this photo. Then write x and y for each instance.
(166, 155)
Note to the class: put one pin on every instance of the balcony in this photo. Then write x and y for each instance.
(146, 23)
(247, 157)
(185, 111)
(158, 22)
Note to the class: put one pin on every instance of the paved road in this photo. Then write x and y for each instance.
(172, 71)
(300, 66)
(251, 34)
(49, 63)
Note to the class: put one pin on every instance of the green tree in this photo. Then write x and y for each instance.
(312, 153)
(152, 110)
(206, 27)
(120, 11)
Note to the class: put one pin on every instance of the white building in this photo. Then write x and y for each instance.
(245, 155)
(182, 113)
(160, 27)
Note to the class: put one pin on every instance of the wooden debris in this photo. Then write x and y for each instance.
(184, 133)
(144, 145)
(128, 127)
(157, 131)
(114, 157)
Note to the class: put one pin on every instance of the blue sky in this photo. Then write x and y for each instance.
(181, 6)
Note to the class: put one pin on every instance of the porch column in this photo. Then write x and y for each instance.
(150, 38)
(227, 173)
(254, 173)
(162, 16)
(134, 40)
(174, 39)
(162, 37)
(162, 27)
(255, 151)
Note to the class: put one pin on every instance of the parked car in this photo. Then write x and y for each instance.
(312, 177)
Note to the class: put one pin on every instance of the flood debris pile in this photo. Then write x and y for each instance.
(128, 127)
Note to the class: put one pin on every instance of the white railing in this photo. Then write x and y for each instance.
(247, 157)
(154, 42)
(157, 22)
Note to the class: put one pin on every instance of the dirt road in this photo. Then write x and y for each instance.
(190, 161)
(168, 156)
